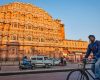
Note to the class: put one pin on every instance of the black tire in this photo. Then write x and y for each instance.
(81, 75)
(20, 68)
(33, 67)
(46, 66)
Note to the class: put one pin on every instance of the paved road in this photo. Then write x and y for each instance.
(15, 68)
(42, 76)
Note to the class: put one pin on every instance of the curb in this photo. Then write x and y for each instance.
(33, 72)
(36, 71)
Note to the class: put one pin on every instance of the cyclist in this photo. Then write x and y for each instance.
(94, 47)
(25, 61)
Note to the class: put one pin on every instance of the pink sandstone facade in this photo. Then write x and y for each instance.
(27, 30)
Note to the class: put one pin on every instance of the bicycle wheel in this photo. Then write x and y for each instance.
(77, 75)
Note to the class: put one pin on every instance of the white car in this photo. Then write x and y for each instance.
(55, 61)
(41, 61)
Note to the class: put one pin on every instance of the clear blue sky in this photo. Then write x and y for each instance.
(81, 17)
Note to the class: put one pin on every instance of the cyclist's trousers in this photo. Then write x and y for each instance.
(96, 68)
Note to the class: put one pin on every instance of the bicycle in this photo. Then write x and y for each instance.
(80, 74)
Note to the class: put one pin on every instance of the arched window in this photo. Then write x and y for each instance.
(8, 15)
(22, 17)
(1, 26)
(15, 25)
(42, 40)
(2, 15)
(0, 35)
(14, 37)
(15, 15)
(29, 26)
(29, 16)
(29, 38)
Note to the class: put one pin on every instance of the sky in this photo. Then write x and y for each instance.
(80, 17)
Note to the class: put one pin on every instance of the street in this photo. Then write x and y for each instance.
(39, 76)
(16, 68)
(42, 76)
(47, 76)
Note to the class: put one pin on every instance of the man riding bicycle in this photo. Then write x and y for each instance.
(94, 47)
(25, 61)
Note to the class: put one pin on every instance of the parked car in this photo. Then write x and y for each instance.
(55, 61)
(41, 61)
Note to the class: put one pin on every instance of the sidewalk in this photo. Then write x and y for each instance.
(6, 68)
(15, 71)
(35, 71)
(9, 63)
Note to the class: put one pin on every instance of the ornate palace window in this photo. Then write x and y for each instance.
(41, 29)
(42, 40)
(14, 37)
(29, 16)
(21, 26)
(0, 35)
(5, 35)
(22, 17)
(36, 39)
(29, 38)
(34, 28)
(8, 15)
(26, 26)
(15, 25)
(1, 26)
(2, 15)
(29, 26)
(75, 44)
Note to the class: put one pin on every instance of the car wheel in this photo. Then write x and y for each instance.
(33, 66)
(46, 66)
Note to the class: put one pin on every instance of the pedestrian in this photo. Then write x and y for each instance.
(61, 61)
(25, 61)
(64, 61)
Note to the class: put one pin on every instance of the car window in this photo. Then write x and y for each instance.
(49, 59)
(39, 58)
(45, 58)
(33, 58)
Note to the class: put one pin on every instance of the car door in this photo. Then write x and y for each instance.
(40, 61)
(33, 60)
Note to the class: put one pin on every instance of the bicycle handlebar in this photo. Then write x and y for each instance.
(89, 62)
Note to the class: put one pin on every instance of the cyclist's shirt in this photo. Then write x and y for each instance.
(25, 61)
(94, 48)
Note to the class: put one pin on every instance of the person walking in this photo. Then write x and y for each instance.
(64, 61)
(61, 61)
